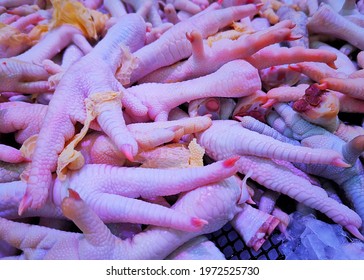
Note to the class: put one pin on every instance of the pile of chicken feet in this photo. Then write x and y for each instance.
(130, 129)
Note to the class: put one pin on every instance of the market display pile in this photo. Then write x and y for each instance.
(131, 129)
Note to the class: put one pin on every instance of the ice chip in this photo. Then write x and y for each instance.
(314, 246)
(314, 239)
(354, 250)
(325, 232)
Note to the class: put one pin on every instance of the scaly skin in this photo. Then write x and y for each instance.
(326, 21)
(131, 213)
(234, 79)
(51, 44)
(205, 60)
(343, 63)
(173, 45)
(316, 71)
(278, 178)
(140, 182)
(113, 199)
(70, 55)
(67, 107)
(114, 204)
(12, 193)
(97, 242)
(23, 77)
(26, 120)
(265, 172)
(351, 180)
(227, 137)
(348, 132)
(11, 172)
(23, 118)
(331, 103)
(351, 87)
(181, 126)
(271, 56)
(98, 148)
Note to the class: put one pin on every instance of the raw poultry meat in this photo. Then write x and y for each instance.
(149, 124)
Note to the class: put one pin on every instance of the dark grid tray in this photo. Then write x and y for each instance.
(234, 248)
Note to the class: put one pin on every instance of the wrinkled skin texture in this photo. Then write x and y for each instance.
(225, 137)
(122, 140)
(349, 179)
(23, 118)
(279, 178)
(25, 77)
(159, 54)
(97, 242)
(159, 101)
(63, 113)
(124, 184)
(326, 21)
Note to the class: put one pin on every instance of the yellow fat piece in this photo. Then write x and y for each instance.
(28, 147)
(37, 33)
(75, 13)
(239, 29)
(128, 64)
(196, 154)
(70, 158)
(13, 37)
(229, 34)
(166, 156)
(27, 151)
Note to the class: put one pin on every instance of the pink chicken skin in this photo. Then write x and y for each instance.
(147, 124)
